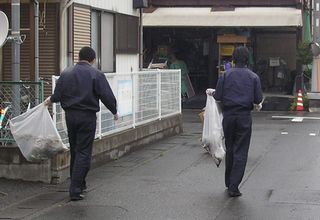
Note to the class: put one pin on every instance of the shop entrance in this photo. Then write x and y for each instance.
(193, 46)
(206, 52)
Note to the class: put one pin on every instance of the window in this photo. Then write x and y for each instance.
(127, 40)
(95, 36)
(107, 43)
(102, 40)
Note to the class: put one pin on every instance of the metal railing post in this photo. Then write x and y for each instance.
(54, 106)
(133, 78)
(159, 92)
(100, 122)
(179, 92)
(41, 95)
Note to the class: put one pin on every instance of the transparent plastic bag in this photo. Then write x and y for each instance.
(36, 134)
(212, 134)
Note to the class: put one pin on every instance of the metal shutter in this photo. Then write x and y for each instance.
(82, 29)
(49, 46)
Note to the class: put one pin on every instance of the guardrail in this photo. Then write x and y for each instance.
(142, 97)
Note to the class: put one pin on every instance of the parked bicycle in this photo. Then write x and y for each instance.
(5, 116)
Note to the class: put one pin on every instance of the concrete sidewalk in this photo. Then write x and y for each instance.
(176, 179)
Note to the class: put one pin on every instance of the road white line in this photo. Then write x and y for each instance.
(294, 117)
(297, 119)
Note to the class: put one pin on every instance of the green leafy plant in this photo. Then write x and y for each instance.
(305, 57)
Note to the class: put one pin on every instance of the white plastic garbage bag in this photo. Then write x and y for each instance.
(212, 134)
(36, 135)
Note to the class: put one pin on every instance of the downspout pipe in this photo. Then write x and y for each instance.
(141, 40)
(36, 48)
(15, 32)
(63, 32)
(70, 37)
(36, 40)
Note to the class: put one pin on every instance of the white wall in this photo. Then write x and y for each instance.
(120, 6)
(126, 63)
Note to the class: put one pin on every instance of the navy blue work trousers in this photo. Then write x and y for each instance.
(237, 132)
(81, 131)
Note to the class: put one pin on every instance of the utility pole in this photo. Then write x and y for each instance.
(314, 95)
(315, 87)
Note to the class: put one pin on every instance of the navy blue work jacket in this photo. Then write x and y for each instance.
(238, 89)
(80, 87)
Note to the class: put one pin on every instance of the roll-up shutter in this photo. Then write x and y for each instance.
(49, 45)
(82, 29)
(24, 48)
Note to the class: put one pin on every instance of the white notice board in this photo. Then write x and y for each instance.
(124, 97)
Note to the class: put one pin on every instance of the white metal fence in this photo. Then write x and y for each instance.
(142, 97)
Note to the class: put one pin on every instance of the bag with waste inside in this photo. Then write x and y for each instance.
(36, 134)
(212, 134)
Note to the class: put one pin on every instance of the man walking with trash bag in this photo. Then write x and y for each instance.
(79, 90)
(238, 90)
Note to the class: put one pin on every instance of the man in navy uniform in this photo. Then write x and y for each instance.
(237, 90)
(79, 89)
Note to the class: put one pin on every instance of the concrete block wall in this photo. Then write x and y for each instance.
(314, 101)
(14, 166)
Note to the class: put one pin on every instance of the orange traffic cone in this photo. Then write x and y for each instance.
(300, 101)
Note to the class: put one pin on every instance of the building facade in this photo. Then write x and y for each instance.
(205, 33)
(148, 102)
(110, 27)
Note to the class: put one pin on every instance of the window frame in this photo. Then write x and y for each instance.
(99, 39)
(125, 45)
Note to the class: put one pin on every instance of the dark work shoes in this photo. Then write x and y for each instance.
(234, 194)
(77, 197)
(84, 188)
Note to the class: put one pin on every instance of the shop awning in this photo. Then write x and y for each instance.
(206, 17)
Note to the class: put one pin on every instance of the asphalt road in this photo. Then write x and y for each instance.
(176, 179)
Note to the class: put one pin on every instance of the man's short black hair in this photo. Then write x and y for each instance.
(87, 53)
(241, 55)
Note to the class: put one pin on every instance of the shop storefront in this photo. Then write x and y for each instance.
(204, 39)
